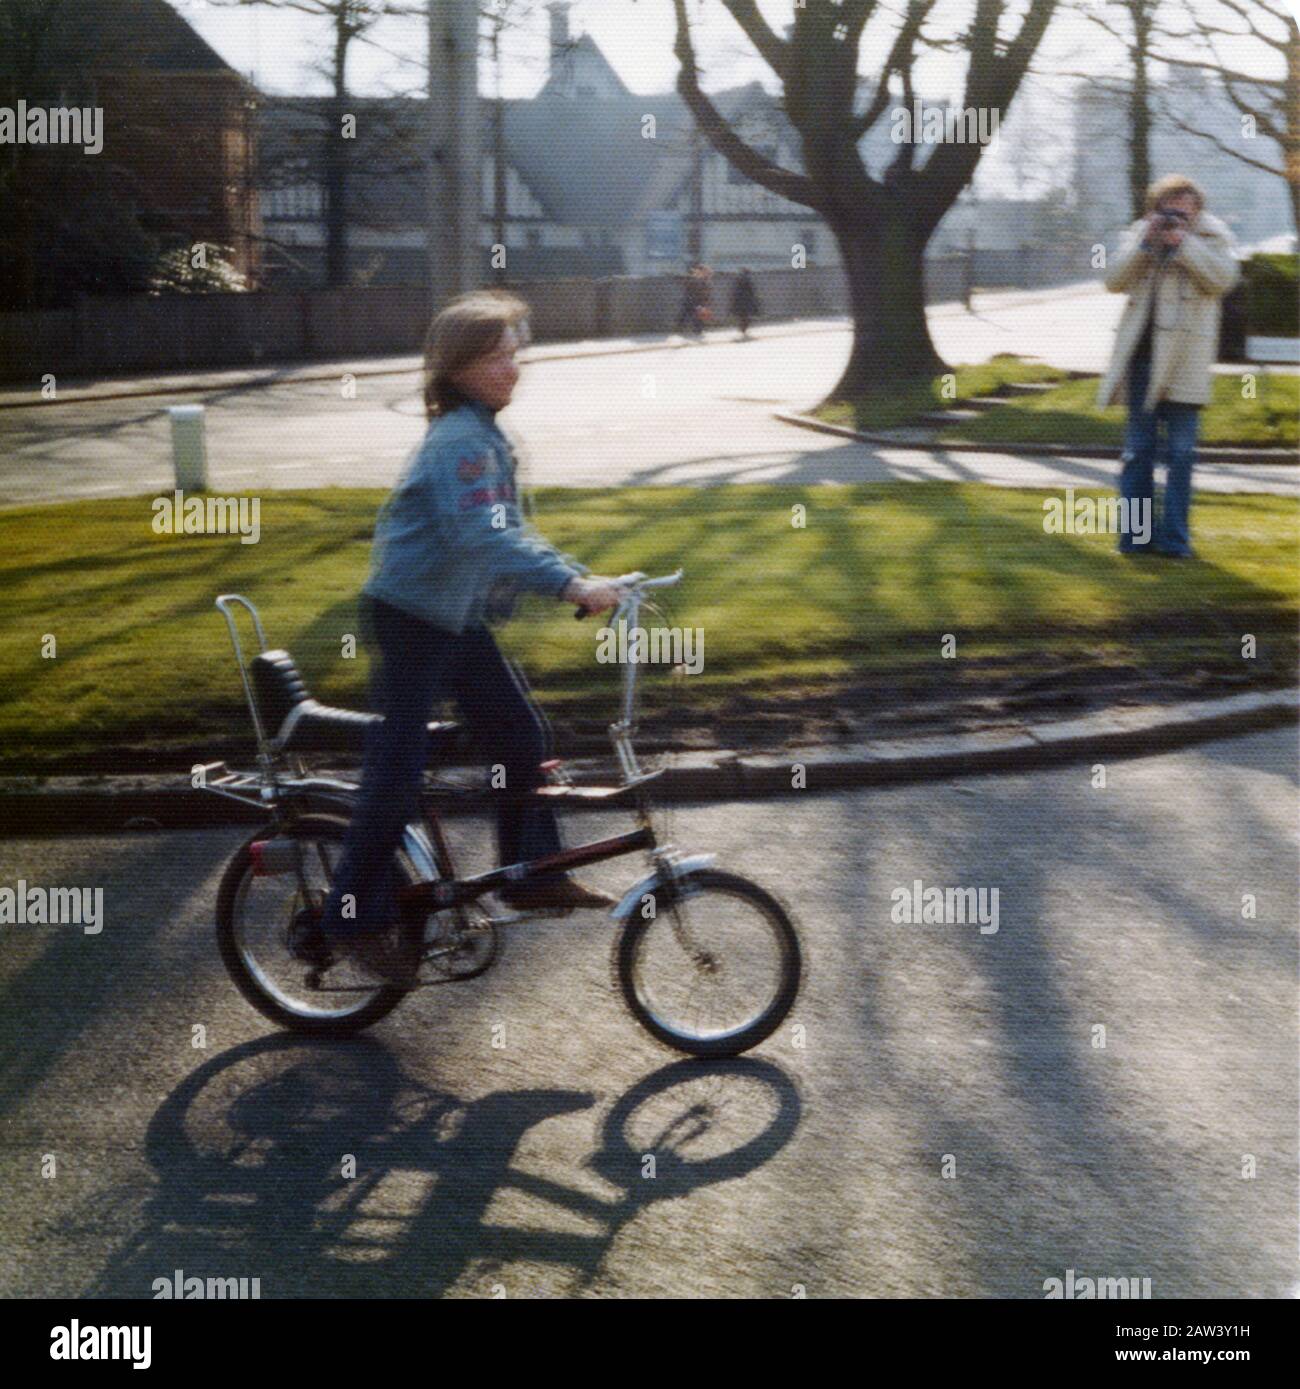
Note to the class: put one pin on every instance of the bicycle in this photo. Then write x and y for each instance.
(690, 935)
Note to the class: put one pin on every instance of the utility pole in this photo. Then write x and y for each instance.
(695, 232)
(498, 155)
(455, 168)
(972, 245)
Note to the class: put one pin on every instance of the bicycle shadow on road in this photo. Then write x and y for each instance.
(250, 1184)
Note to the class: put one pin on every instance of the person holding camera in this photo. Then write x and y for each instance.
(1175, 264)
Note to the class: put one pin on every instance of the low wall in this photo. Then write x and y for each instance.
(178, 331)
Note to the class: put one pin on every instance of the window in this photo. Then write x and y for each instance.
(808, 239)
(302, 200)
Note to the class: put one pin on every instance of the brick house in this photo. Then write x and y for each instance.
(179, 125)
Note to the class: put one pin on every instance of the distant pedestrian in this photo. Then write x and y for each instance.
(695, 301)
(1175, 264)
(744, 301)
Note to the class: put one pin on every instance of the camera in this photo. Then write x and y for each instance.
(1171, 217)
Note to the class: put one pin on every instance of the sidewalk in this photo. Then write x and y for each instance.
(236, 378)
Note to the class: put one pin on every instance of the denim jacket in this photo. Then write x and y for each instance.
(451, 544)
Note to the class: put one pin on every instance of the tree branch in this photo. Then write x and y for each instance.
(798, 188)
(1227, 149)
(991, 81)
(898, 61)
(759, 33)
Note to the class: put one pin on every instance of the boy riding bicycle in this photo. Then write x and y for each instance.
(451, 552)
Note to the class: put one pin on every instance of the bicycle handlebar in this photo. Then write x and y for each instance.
(635, 584)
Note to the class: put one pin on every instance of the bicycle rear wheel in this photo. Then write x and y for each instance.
(260, 931)
(709, 964)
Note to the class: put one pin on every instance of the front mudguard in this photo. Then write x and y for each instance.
(628, 903)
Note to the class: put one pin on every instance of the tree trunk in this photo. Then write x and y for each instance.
(336, 171)
(884, 264)
(1139, 163)
(1291, 149)
(499, 187)
(23, 284)
(695, 227)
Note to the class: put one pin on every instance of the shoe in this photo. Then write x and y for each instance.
(373, 953)
(563, 895)
(306, 940)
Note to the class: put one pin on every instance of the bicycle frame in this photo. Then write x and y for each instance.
(282, 784)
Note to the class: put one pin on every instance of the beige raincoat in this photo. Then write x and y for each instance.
(1188, 288)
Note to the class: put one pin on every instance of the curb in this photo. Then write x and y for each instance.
(128, 803)
(1209, 454)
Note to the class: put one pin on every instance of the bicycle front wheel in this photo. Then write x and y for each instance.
(709, 964)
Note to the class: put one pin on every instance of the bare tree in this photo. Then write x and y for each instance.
(503, 16)
(1134, 24)
(349, 21)
(880, 223)
(1268, 105)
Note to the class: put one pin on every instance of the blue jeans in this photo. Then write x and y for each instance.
(419, 666)
(1170, 529)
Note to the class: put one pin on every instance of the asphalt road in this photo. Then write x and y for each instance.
(520, 1169)
(680, 414)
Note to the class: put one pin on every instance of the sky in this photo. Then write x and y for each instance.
(281, 49)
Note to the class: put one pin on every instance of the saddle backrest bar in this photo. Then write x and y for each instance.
(223, 604)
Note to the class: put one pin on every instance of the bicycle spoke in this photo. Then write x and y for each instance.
(711, 966)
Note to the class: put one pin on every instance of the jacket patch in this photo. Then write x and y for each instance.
(468, 469)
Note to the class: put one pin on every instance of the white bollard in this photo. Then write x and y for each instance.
(189, 450)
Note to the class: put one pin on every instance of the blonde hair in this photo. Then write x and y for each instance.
(1173, 186)
(468, 327)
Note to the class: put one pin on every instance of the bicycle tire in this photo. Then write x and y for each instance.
(384, 999)
(733, 1042)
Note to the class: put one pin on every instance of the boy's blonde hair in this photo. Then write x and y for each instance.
(1173, 186)
(467, 328)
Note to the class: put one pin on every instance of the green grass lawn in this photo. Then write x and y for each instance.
(1069, 415)
(872, 583)
(985, 378)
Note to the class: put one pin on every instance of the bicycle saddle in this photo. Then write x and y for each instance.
(295, 722)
